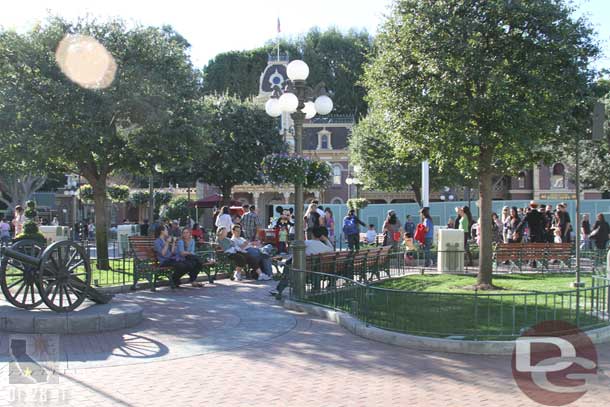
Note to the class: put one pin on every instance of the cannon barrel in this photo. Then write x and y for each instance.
(22, 257)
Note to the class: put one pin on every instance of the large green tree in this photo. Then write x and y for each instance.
(594, 154)
(334, 57)
(233, 136)
(480, 85)
(142, 117)
(385, 169)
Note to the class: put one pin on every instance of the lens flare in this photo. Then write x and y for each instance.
(85, 61)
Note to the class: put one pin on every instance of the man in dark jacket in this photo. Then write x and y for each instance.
(536, 223)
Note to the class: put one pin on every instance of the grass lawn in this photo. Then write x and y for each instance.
(507, 283)
(440, 306)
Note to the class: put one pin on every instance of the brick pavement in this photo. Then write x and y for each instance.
(232, 345)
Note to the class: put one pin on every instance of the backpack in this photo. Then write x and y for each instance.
(349, 226)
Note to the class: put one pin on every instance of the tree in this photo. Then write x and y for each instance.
(334, 57)
(594, 154)
(480, 86)
(141, 117)
(23, 163)
(382, 168)
(233, 137)
(178, 208)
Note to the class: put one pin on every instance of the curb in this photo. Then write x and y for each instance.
(93, 319)
(468, 347)
(145, 285)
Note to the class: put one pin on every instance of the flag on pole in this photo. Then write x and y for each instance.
(278, 25)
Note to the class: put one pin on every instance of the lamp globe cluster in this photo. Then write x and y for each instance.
(288, 102)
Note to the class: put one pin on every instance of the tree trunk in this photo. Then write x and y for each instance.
(226, 194)
(417, 191)
(484, 278)
(101, 222)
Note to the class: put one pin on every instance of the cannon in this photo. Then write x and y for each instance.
(58, 276)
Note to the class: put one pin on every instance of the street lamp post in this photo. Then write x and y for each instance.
(355, 181)
(297, 100)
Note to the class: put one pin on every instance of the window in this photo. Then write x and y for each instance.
(337, 174)
(324, 142)
(337, 201)
(558, 176)
(521, 180)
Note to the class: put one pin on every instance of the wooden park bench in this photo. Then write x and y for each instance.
(521, 254)
(146, 264)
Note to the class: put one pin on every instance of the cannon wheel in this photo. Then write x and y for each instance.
(18, 280)
(65, 273)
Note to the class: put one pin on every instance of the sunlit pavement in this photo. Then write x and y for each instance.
(231, 344)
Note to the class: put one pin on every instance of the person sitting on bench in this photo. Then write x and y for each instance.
(185, 252)
(317, 245)
(165, 249)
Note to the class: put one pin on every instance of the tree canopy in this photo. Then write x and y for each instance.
(382, 168)
(141, 117)
(233, 136)
(479, 85)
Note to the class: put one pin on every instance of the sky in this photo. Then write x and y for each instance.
(213, 26)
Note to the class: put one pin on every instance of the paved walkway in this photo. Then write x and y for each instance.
(231, 344)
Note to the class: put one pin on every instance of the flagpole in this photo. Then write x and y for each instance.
(278, 39)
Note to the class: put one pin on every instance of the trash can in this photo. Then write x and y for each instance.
(54, 234)
(450, 251)
(123, 232)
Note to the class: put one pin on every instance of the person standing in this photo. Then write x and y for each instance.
(585, 229)
(426, 221)
(410, 226)
(600, 232)
(320, 211)
(512, 226)
(18, 220)
(144, 228)
(465, 226)
(224, 219)
(535, 222)
(392, 230)
(5, 232)
(312, 219)
(250, 224)
(329, 221)
(564, 223)
(351, 230)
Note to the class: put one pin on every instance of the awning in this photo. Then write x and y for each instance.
(211, 201)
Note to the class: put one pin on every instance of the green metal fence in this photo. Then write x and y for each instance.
(479, 315)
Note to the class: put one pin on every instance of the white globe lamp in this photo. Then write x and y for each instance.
(297, 70)
(309, 110)
(324, 105)
(289, 102)
(272, 107)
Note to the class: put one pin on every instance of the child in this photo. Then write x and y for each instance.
(371, 234)
(409, 242)
(558, 236)
(283, 239)
(409, 248)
